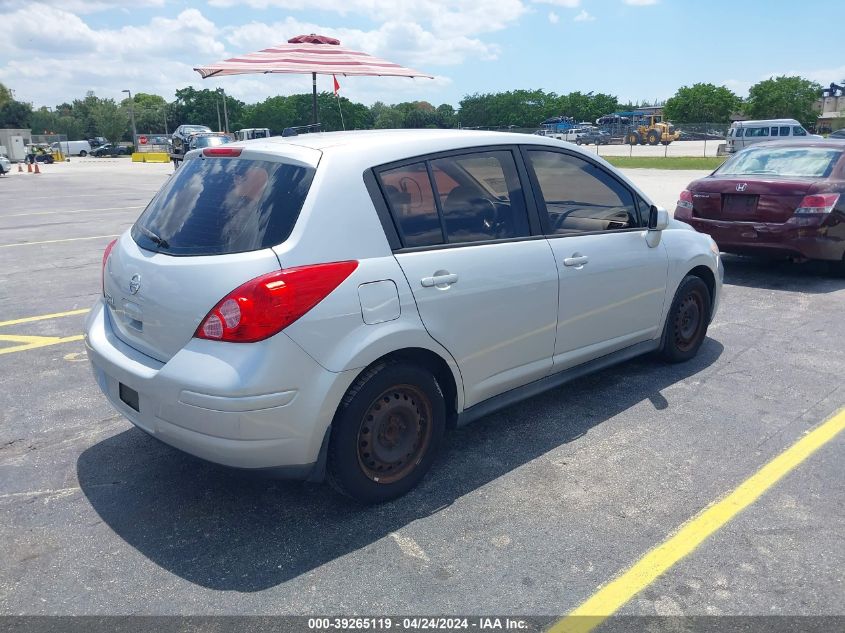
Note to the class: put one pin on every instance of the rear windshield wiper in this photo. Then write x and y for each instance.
(158, 241)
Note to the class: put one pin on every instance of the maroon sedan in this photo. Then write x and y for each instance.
(779, 198)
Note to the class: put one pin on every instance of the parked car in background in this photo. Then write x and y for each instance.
(329, 304)
(5, 165)
(214, 139)
(110, 149)
(182, 135)
(71, 148)
(782, 198)
(250, 133)
(44, 158)
(743, 134)
(838, 134)
(593, 137)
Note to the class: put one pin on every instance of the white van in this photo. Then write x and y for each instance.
(72, 148)
(252, 132)
(745, 133)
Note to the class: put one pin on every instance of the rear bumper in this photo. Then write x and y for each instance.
(782, 240)
(264, 405)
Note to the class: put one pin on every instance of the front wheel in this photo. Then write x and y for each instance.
(687, 321)
(386, 432)
(83, 154)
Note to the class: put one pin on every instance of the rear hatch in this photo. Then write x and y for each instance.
(208, 230)
(747, 199)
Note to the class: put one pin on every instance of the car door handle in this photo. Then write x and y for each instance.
(439, 280)
(576, 260)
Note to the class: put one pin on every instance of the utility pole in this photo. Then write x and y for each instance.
(219, 126)
(225, 112)
(132, 115)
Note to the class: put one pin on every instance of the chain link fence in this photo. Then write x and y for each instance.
(694, 139)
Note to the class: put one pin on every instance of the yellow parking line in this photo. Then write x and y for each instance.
(607, 600)
(44, 317)
(33, 342)
(70, 239)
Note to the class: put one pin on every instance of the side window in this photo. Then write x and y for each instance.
(411, 199)
(774, 131)
(757, 131)
(484, 200)
(580, 196)
(784, 130)
(797, 130)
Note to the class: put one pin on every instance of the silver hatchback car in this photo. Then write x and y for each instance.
(328, 305)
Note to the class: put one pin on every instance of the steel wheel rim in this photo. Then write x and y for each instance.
(689, 321)
(394, 434)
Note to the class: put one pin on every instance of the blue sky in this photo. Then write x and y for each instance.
(639, 50)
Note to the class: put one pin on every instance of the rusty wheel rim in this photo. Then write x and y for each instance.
(689, 320)
(394, 434)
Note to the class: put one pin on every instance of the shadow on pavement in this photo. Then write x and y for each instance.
(779, 274)
(227, 530)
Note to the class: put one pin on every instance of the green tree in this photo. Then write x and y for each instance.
(15, 114)
(111, 120)
(783, 97)
(150, 111)
(5, 95)
(200, 107)
(701, 103)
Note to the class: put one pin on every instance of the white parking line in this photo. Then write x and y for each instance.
(18, 215)
(70, 239)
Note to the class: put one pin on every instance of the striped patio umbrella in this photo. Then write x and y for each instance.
(315, 54)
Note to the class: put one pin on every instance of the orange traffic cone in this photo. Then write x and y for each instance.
(29, 168)
(37, 171)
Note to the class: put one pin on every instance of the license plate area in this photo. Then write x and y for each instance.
(738, 205)
(129, 397)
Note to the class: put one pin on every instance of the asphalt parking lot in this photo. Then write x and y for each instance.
(528, 512)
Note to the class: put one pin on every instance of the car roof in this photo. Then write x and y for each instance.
(765, 122)
(376, 147)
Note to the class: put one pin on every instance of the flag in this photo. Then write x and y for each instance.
(336, 86)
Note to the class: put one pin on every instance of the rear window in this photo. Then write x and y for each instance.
(210, 141)
(802, 162)
(217, 206)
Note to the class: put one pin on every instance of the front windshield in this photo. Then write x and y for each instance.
(800, 162)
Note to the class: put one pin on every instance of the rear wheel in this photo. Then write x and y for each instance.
(634, 138)
(386, 433)
(687, 321)
(83, 154)
(653, 137)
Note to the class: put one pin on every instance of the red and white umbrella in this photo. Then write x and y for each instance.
(315, 54)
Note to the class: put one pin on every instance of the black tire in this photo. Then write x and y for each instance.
(83, 154)
(837, 269)
(653, 137)
(397, 411)
(577, 141)
(687, 321)
(634, 138)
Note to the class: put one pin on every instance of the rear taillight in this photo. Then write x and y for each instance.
(685, 200)
(268, 304)
(819, 203)
(106, 254)
(222, 151)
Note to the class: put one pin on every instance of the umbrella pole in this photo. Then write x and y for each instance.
(314, 97)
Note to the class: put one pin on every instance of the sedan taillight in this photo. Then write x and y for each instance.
(268, 304)
(819, 203)
(685, 200)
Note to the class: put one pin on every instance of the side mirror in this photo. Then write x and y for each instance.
(658, 219)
